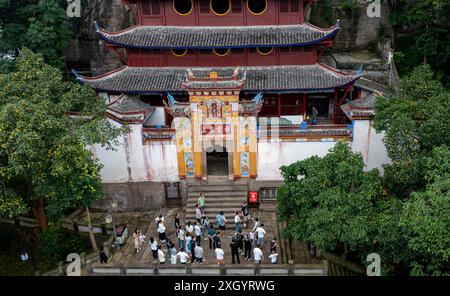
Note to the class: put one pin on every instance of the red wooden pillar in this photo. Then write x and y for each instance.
(279, 105)
(304, 106)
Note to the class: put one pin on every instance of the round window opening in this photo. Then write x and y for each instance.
(183, 7)
(264, 50)
(221, 51)
(220, 7)
(179, 52)
(257, 6)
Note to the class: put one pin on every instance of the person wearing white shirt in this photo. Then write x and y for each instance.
(198, 213)
(181, 238)
(237, 222)
(198, 253)
(162, 232)
(257, 255)
(189, 228)
(273, 258)
(219, 255)
(260, 233)
(159, 219)
(161, 256)
(154, 247)
(198, 233)
(183, 256)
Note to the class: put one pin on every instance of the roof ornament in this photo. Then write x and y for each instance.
(258, 98)
(359, 71)
(171, 99)
(190, 73)
(235, 72)
(77, 75)
(97, 27)
(338, 23)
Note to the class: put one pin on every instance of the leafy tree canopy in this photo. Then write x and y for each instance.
(40, 25)
(43, 150)
(414, 123)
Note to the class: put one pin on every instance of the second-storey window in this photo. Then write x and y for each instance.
(220, 7)
(257, 7)
(183, 7)
(150, 7)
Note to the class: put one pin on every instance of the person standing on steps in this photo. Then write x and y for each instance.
(273, 257)
(273, 246)
(162, 232)
(237, 222)
(137, 242)
(161, 256)
(247, 248)
(154, 248)
(198, 253)
(189, 229)
(260, 232)
(177, 221)
(240, 241)
(181, 235)
(220, 255)
(258, 254)
(256, 223)
(234, 250)
(245, 213)
(201, 202)
(221, 220)
(183, 256)
(198, 233)
(216, 240)
(159, 219)
(191, 248)
(211, 235)
(198, 213)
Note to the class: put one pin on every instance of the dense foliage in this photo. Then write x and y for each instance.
(43, 155)
(41, 26)
(404, 215)
(422, 28)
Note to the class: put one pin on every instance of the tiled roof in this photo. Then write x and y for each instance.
(306, 78)
(130, 104)
(363, 107)
(173, 37)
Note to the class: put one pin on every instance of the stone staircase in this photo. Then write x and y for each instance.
(220, 195)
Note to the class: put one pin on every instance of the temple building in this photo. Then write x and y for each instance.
(228, 89)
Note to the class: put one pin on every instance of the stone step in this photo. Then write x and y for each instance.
(212, 188)
(208, 211)
(215, 193)
(219, 199)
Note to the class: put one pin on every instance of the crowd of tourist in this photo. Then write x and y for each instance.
(191, 237)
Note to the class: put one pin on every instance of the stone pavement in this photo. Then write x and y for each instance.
(146, 223)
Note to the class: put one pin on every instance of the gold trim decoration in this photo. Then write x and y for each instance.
(179, 55)
(218, 14)
(258, 13)
(264, 53)
(183, 14)
(221, 55)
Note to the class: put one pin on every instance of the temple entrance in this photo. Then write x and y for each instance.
(217, 161)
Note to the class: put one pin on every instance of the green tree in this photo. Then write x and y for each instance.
(414, 123)
(41, 26)
(329, 200)
(426, 218)
(44, 155)
(424, 38)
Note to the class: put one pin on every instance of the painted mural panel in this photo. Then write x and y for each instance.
(245, 164)
(189, 162)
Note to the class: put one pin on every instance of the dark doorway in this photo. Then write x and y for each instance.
(217, 161)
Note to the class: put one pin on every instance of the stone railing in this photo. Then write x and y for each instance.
(210, 270)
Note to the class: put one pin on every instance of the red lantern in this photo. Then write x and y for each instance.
(253, 197)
